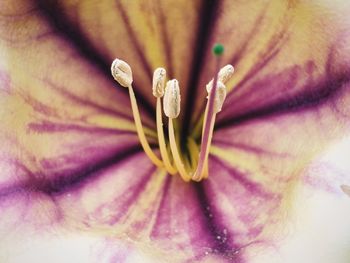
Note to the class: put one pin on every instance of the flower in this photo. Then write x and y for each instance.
(75, 184)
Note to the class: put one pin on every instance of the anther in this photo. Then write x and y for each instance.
(159, 76)
(121, 72)
(220, 95)
(224, 75)
(171, 100)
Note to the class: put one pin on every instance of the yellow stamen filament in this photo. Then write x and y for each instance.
(202, 170)
(206, 165)
(122, 73)
(161, 139)
(194, 151)
(205, 173)
(140, 132)
(177, 159)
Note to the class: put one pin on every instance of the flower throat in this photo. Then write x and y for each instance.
(196, 167)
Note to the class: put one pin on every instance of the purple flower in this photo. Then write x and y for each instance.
(75, 184)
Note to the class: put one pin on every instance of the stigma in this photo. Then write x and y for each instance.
(168, 100)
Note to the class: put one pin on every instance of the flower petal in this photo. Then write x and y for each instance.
(281, 51)
(129, 201)
(269, 158)
(60, 115)
(202, 222)
(126, 30)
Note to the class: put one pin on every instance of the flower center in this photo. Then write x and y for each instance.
(195, 166)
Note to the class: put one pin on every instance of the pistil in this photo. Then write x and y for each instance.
(158, 91)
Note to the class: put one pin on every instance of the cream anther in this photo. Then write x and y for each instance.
(224, 75)
(220, 96)
(171, 100)
(121, 72)
(159, 76)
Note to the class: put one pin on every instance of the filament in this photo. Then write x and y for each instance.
(177, 159)
(161, 139)
(139, 129)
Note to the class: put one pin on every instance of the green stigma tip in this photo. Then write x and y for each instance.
(218, 49)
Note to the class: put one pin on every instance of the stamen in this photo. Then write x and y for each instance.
(196, 166)
(177, 159)
(214, 104)
(172, 110)
(159, 76)
(122, 73)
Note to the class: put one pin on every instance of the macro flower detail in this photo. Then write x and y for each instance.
(88, 165)
(198, 165)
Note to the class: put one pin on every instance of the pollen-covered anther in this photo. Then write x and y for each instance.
(172, 99)
(121, 72)
(158, 82)
(225, 74)
(220, 95)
